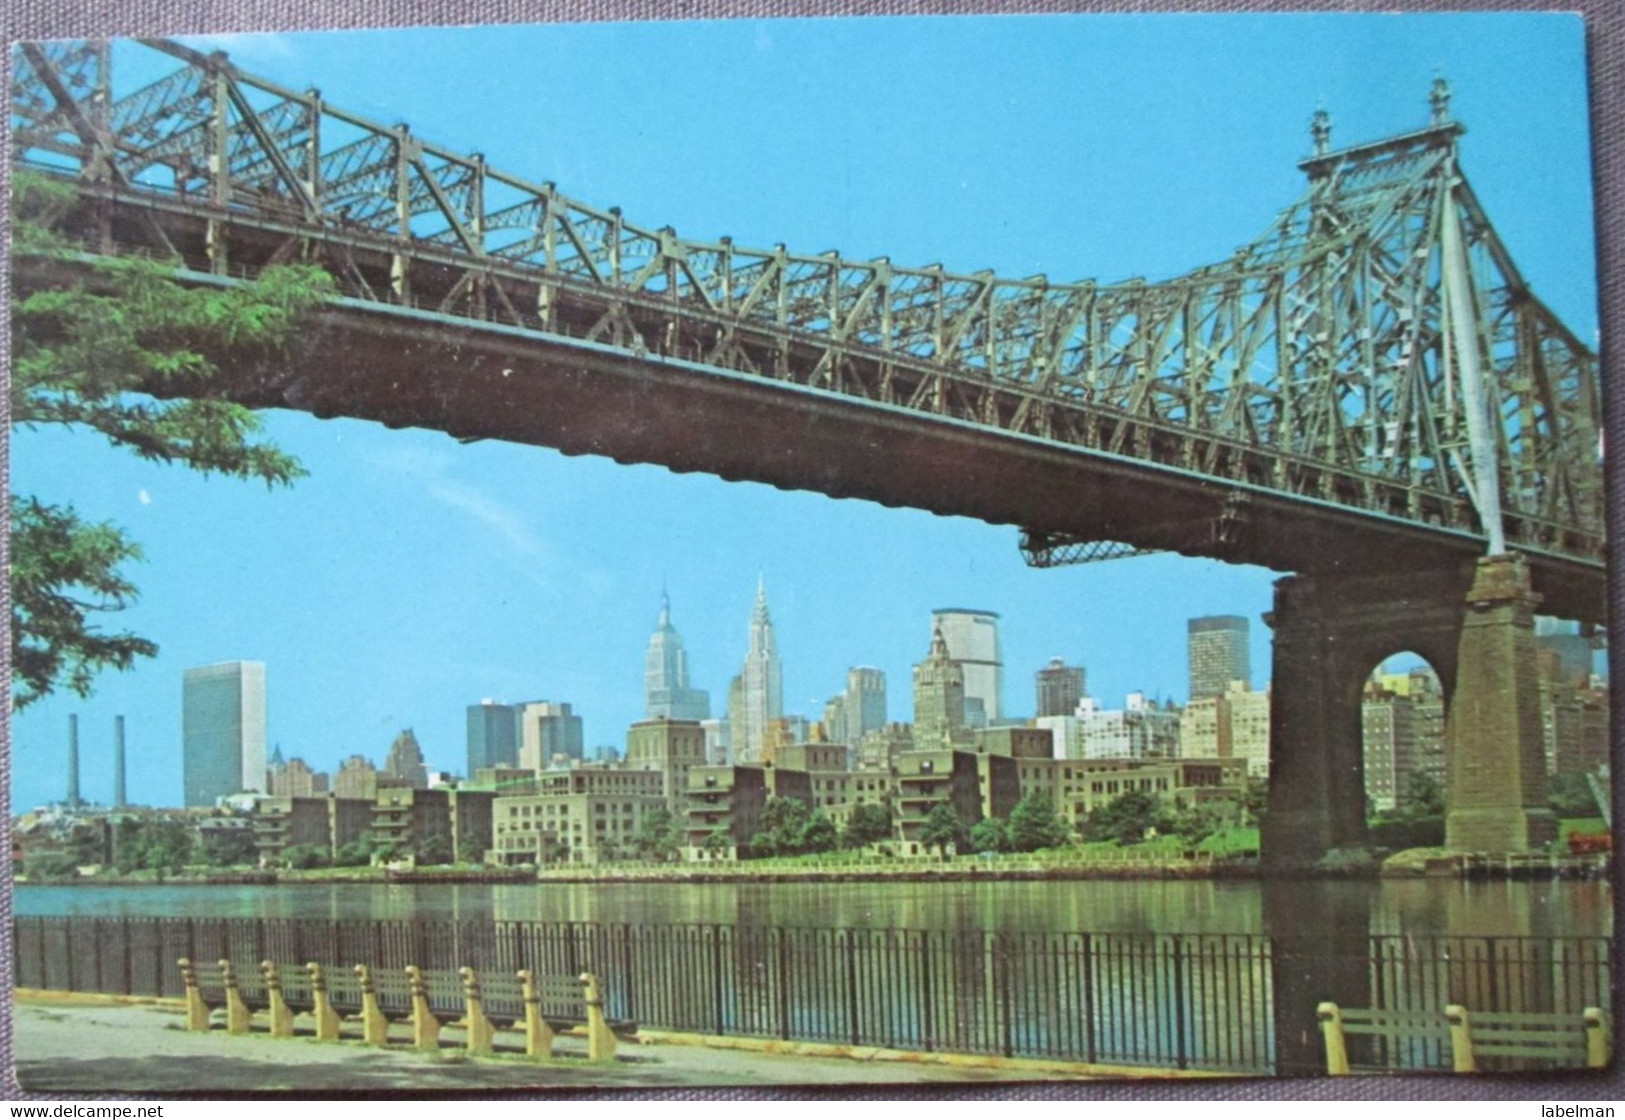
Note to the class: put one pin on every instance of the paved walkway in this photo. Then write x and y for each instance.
(99, 1046)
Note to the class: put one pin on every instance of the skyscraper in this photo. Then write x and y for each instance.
(1218, 654)
(761, 685)
(1059, 687)
(404, 763)
(548, 730)
(666, 690)
(973, 641)
(939, 696)
(864, 703)
(493, 736)
(222, 730)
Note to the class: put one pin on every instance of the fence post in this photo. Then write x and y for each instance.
(1089, 997)
(716, 978)
(782, 966)
(851, 984)
(926, 1033)
(1179, 1002)
(1001, 981)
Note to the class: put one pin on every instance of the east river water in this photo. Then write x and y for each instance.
(1409, 907)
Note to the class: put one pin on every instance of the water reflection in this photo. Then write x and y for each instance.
(1416, 908)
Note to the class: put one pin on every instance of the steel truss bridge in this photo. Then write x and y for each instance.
(1368, 385)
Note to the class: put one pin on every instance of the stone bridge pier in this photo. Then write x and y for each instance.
(1475, 626)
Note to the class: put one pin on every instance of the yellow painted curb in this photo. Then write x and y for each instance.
(93, 999)
(922, 1057)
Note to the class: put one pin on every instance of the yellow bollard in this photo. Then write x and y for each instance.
(600, 1039)
(327, 1020)
(280, 1014)
(1331, 1029)
(197, 1012)
(1461, 1039)
(1598, 1042)
(538, 1034)
(238, 1017)
(480, 1031)
(425, 1027)
(374, 1027)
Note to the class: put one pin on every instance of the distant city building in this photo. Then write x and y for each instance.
(493, 736)
(671, 746)
(404, 763)
(939, 698)
(1233, 725)
(295, 778)
(1218, 654)
(1570, 648)
(718, 741)
(356, 777)
(666, 689)
(1573, 713)
(1059, 687)
(760, 691)
(861, 708)
(1402, 736)
(222, 731)
(973, 641)
(550, 734)
(1140, 729)
(72, 799)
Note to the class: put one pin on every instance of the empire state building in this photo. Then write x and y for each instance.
(665, 675)
(758, 696)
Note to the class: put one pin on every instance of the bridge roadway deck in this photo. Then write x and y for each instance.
(410, 368)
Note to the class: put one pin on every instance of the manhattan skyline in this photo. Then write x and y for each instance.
(410, 576)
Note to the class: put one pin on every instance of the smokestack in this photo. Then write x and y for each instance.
(73, 762)
(118, 762)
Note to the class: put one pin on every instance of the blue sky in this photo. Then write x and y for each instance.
(410, 576)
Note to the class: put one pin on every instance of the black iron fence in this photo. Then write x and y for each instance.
(1168, 1000)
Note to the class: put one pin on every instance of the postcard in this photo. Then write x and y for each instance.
(975, 550)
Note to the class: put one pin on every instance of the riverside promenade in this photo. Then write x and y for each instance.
(102, 1045)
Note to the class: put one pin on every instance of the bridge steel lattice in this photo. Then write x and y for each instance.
(1368, 394)
(1323, 372)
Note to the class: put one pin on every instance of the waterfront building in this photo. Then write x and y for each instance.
(760, 689)
(585, 815)
(493, 736)
(724, 805)
(972, 637)
(972, 785)
(1059, 687)
(473, 823)
(325, 821)
(1235, 724)
(1250, 728)
(356, 777)
(671, 747)
(1218, 652)
(1141, 728)
(222, 731)
(939, 698)
(403, 766)
(826, 767)
(414, 822)
(666, 688)
(550, 735)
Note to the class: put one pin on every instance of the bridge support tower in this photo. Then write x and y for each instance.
(1475, 626)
